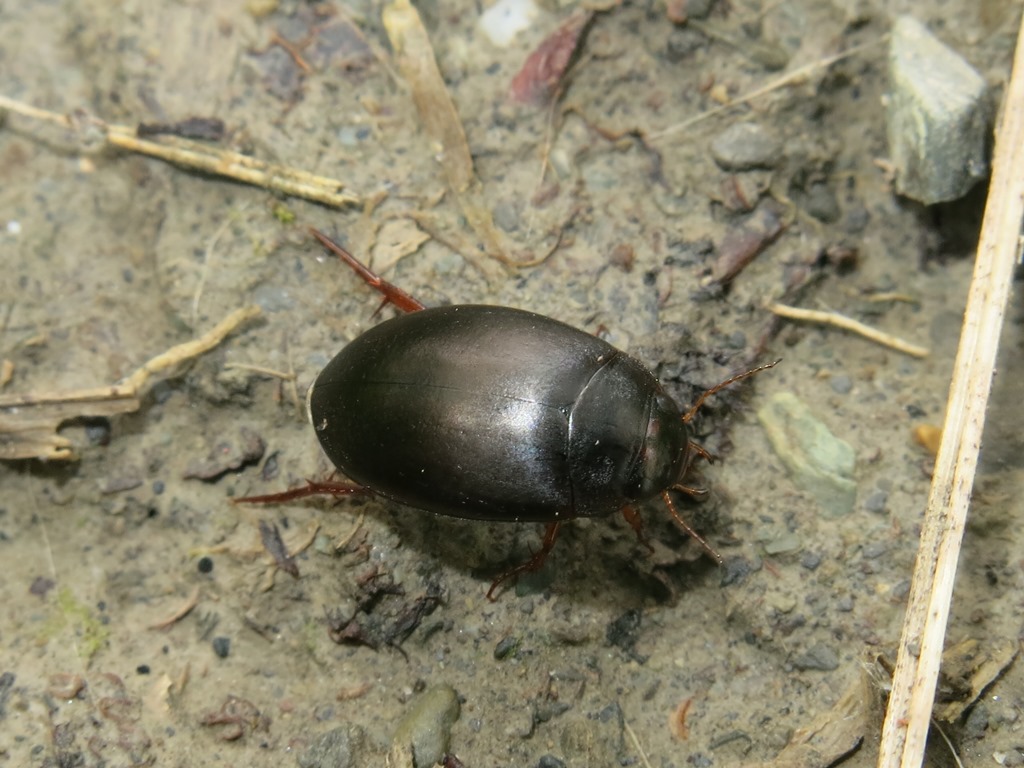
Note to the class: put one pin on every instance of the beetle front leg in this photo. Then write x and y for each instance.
(392, 293)
(531, 565)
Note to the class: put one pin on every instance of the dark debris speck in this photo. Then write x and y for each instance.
(222, 646)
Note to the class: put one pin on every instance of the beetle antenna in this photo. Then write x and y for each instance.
(718, 387)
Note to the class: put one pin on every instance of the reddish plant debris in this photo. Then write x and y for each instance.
(742, 245)
(545, 68)
(237, 716)
(677, 720)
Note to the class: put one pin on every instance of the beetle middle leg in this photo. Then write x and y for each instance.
(686, 526)
(392, 293)
(531, 565)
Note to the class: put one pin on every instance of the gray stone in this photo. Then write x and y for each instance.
(427, 725)
(343, 747)
(818, 461)
(821, 658)
(938, 116)
(744, 146)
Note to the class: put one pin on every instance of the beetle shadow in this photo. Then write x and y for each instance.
(595, 559)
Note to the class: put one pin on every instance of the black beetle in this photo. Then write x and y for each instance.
(493, 413)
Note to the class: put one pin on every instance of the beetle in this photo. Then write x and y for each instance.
(494, 413)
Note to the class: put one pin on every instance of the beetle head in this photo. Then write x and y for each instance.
(663, 457)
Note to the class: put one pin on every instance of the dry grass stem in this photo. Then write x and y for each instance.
(849, 324)
(905, 730)
(202, 157)
(790, 78)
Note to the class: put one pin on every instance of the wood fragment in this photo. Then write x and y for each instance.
(29, 421)
(907, 719)
(197, 156)
(414, 55)
(849, 324)
(833, 736)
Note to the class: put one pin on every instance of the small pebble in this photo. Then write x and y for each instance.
(342, 747)
(97, 432)
(821, 658)
(841, 384)
(735, 570)
(683, 42)
(875, 549)
(506, 648)
(744, 146)
(222, 646)
(205, 564)
(785, 542)
(876, 501)
(506, 216)
(810, 561)
(550, 761)
(821, 203)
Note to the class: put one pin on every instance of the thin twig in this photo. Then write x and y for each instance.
(907, 718)
(849, 324)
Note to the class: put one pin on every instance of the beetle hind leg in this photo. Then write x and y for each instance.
(531, 565)
(392, 293)
(311, 488)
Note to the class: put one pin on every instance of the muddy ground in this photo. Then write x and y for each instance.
(610, 655)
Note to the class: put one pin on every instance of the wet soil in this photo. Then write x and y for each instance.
(611, 655)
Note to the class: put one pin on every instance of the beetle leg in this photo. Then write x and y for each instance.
(311, 488)
(636, 522)
(718, 387)
(531, 565)
(701, 451)
(689, 490)
(391, 292)
(686, 527)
